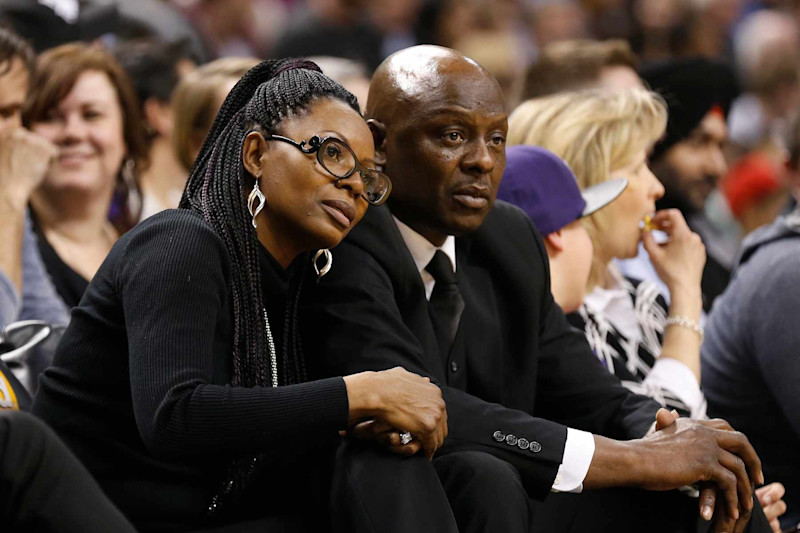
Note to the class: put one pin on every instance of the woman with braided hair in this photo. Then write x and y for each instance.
(181, 382)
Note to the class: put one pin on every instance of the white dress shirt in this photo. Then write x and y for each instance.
(579, 448)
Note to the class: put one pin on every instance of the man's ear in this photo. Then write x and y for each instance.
(254, 147)
(378, 130)
(555, 241)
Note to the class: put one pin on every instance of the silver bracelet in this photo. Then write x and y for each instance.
(687, 322)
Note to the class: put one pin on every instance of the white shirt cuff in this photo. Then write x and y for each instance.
(675, 377)
(578, 453)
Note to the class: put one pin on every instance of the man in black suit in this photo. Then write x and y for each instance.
(522, 388)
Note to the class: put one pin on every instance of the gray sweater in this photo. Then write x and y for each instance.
(751, 356)
(39, 300)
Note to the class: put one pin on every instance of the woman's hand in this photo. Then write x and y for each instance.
(679, 262)
(385, 404)
(771, 499)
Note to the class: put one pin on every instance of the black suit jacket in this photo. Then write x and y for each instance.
(516, 367)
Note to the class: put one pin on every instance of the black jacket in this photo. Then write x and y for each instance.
(516, 367)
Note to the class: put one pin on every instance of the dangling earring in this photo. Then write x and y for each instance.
(251, 200)
(328, 263)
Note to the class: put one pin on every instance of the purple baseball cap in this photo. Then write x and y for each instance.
(542, 184)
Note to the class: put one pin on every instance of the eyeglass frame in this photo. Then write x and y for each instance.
(316, 142)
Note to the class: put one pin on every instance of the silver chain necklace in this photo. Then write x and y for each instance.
(273, 358)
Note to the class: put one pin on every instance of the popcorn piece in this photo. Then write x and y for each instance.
(648, 223)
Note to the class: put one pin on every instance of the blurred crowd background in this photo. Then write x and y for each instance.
(160, 42)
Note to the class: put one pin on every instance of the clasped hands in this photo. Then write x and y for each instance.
(728, 471)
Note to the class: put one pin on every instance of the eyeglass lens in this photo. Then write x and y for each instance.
(338, 159)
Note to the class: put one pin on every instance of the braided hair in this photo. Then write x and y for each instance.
(266, 95)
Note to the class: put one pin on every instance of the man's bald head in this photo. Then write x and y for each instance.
(439, 123)
(414, 73)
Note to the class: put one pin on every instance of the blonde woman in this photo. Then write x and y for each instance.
(652, 349)
(603, 136)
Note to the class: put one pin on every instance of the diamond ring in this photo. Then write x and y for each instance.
(406, 437)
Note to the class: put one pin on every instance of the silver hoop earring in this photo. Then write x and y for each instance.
(328, 262)
(256, 194)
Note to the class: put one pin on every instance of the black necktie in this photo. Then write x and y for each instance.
(446, 304)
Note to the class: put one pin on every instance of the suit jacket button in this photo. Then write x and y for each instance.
(523, 444)
(453, 366)
(535, 447)
(499, 436)
(511, 440)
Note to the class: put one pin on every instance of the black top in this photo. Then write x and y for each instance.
(69, 285)
(140, 385)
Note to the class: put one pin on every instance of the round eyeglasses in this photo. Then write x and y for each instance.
(341, 162)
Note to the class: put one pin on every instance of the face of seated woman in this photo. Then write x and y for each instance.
(306, 207)
(87, 128)
(618, 223)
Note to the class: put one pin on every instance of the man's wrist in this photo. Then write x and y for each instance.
(616, 464)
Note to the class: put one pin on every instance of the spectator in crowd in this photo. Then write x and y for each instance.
(25, 290)
(756, 188)
(603, 136)
(197, 99)
(83, 102)
(181, 383)
(236, 27)
(350, 74)
(793, 166)
(50, 24)
(155, 69)
(558, 20)
(514, 374)
(658, 31)
(581, 64)
(689, 160)
(332, 27)
(749, 359)
(767, 48)
(501, 53)
(395, 21)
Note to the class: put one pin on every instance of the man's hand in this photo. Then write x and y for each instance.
(24, 160)
(727, 517)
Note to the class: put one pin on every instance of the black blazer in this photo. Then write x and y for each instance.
(517, 374)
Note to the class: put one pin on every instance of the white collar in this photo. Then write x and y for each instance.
(421, 248)
(600, 299)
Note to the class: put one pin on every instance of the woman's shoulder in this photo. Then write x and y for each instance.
(173, 235)
(175, 223)
(174, 219)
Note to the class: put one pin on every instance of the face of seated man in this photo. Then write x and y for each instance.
(13, 89)
(440, 126)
